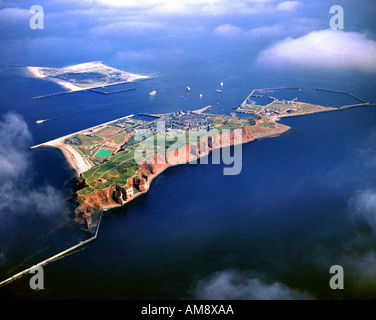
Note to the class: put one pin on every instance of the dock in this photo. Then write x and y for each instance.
(55, 257)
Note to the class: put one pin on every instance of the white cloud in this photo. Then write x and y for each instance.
(325, 49)
(14, 14)
(194, 7)
(360, 275)
(265, 32)
(365, 205)
(294, 26)
(235, 285)
(288, 5)
(17, 191)
(13, 132)
(133, 26)
(227, 30)
(364, 266)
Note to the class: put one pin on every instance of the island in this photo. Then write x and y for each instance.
(86, 76)
(103, 156)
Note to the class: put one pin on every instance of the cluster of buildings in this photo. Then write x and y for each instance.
(75, 141)
(276, 111)
(183, 120)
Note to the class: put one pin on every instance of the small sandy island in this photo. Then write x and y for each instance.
(85, 76)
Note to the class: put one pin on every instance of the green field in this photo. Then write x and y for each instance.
(103, 153)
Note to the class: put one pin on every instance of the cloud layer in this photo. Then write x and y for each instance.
(17, 191)
(325, 49)
(197, 7)
(235, 285)
(364, 203)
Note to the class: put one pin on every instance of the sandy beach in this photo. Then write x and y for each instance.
(73, 157)
(35, 71)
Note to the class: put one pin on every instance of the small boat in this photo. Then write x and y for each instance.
(188, 88)
(218, 90)
(200, 95)
(40, 121)
(152, 93)
(221, 84)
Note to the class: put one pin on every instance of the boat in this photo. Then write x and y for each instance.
(200, 95)
(218, 90)
(152, 93)
(40, 121)
(188, 88)
(221, 84)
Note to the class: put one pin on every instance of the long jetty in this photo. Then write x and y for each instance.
(87, 89)
(53, 258)
(115, 91)
(92, 89)
(57, 94)
(344, 92)
(149, 115)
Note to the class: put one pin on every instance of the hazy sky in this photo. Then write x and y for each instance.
(149, 34)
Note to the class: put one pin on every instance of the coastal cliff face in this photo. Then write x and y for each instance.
(140, 183)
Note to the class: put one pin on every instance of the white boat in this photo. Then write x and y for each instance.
(188, 88)
(40, 121)
(153, 93)
(200, 95)
(217, 90)
(221, 84)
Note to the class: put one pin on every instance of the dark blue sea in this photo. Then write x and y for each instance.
(303, 202)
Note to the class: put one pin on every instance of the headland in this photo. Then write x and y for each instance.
(104, 156)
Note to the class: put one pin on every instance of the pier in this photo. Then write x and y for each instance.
(53, 258)
(87, 89)
(202, 110)
(149, 115)
(344, 92)
(116, 91)
(57, 94)
(92, 89)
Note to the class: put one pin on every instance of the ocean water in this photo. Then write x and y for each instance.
(302, 202)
